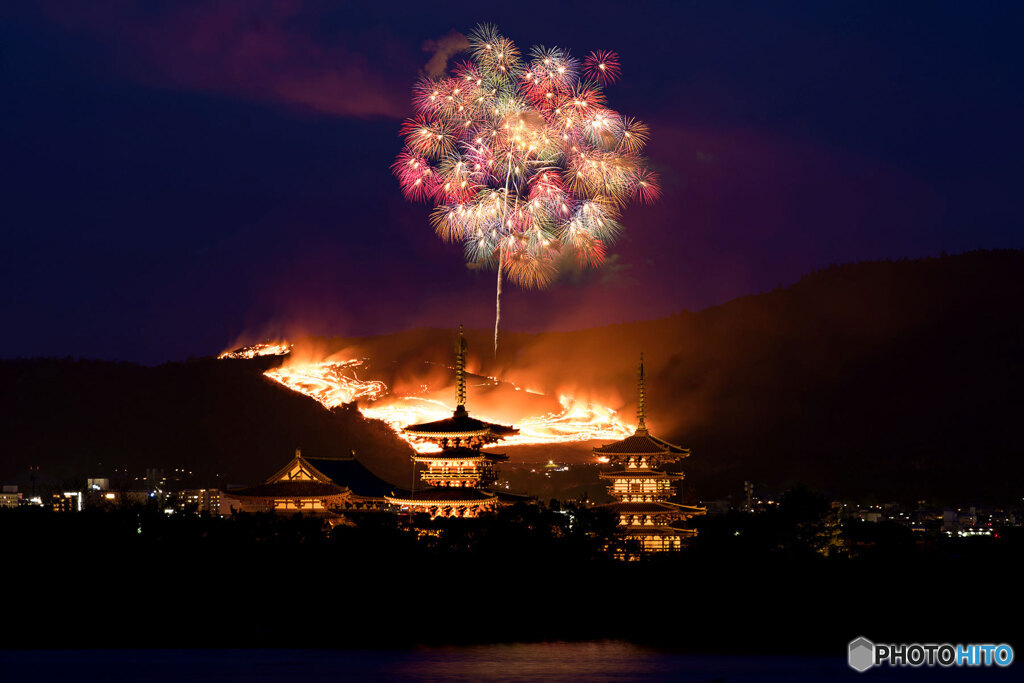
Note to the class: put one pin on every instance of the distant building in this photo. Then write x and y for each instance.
(10, 498)
(642, 487)
(718, 507)
(869, 515)
(68, 501)
(103, 499)
(98, 498)
(204, 500)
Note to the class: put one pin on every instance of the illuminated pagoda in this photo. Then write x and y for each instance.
(457, 476)
(642, 488)
(322, 487)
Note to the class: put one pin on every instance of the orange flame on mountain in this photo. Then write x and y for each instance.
(335, 382)
(281, 348)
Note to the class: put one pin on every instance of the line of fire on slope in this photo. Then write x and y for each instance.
(458, 478)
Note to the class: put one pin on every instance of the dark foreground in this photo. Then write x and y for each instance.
(791, 583)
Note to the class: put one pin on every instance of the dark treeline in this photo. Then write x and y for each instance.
(792, 580)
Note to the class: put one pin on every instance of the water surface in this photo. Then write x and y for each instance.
(595, 661)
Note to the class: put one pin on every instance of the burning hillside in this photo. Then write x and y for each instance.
(281, 348)
(332, 383)
(541, 419)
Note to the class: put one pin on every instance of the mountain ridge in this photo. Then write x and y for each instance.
(880, 379)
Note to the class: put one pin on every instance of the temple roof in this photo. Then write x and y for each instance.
(460, 425)
(443, 494)
(653, 531)
(652, 508)
(512, 498)
(459, 454)
(639, 474)
(289, 489)
(318, 477)
(641, 443)
(353, 474)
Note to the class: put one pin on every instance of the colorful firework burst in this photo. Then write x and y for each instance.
(524, 160)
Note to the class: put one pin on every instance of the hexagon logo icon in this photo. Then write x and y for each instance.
(862, 654)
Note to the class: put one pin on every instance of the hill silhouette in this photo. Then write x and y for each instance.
(222, 420)
(886, 380)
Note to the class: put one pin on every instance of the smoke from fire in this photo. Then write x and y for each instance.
(557, 388)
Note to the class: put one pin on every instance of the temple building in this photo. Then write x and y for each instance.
(325, 487)
(455, 478)
(642, 487)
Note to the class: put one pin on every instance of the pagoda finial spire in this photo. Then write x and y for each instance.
(460, 372)
(641, 410)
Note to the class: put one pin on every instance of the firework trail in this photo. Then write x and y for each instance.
(523, 159)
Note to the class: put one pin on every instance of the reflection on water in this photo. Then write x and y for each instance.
(597, 661)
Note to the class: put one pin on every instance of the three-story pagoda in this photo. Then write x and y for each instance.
(642, 487)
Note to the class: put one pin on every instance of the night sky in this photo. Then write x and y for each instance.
(179, 175)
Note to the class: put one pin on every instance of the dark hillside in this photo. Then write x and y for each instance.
(84, 418)
(893, 380)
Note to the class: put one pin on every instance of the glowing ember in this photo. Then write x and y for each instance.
(263, 349)
(330, 382)
(577, 421)
(333, 383)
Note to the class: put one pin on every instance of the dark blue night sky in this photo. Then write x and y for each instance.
(181, 175)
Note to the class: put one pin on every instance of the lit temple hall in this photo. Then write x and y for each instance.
(322, 487)
(642, 486)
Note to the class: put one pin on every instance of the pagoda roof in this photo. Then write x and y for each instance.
(351, 473)
(461, 425)
(653, 531)
(641, 443)
(443, 494)
(639, 474)
(512, 498)
(289, 489)
(459, 453)
(652, 508)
